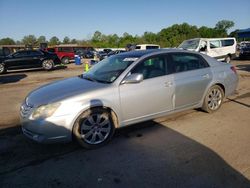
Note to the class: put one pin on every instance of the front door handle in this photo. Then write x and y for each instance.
(168, 84)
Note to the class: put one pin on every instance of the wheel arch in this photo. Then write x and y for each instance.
(207, 89)
(114, 117)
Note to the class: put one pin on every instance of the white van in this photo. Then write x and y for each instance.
(223, 49)
(146, 46)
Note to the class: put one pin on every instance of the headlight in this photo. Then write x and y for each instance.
(45, 111)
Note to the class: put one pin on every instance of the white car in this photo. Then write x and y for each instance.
(146, 46)
(222, 49)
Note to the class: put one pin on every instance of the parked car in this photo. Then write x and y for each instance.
(102, 55)
(122, 90)
(64, 53)
(146, 46)
(245, 51)
(88, 53)
(28, 59)
(115, 52)
(223, 49)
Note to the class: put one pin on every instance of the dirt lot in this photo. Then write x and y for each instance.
(189, 149)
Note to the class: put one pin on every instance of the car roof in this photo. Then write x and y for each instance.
(140, 53)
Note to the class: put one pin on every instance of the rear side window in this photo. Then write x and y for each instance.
(214, 44)
(34, 53)
(152, 67)
(227, 42)
(138, 47)
(65, 49)
(181, 62)
(151, 47)
(20, 54)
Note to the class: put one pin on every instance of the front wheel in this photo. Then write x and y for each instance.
(2, 68)
(93, 128)
(213, 99)
(48, 64)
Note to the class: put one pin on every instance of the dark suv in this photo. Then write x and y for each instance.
(28, 59)
(65, 54)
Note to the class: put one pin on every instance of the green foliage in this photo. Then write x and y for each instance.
(7, 41)
(66, 40)
(224, 25)
(73, 41)
(54, 41)
(29, 40)
(41, 39)
(168, 37)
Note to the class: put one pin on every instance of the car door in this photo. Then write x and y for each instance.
(35, 58)
(215, 50)
(17, 60)
(152, 96)
(192, 76)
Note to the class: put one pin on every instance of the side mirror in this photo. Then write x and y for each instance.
(133, 79)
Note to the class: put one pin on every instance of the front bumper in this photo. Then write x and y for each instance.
(51, 130)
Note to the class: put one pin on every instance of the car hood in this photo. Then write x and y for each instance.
(60, 90)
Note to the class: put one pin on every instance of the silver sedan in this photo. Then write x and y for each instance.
(122, 90)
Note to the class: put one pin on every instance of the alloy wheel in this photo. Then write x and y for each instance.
(95, 128)
(214, 99)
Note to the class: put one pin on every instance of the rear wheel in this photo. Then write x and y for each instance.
(93, 128)
(2, 68)
(228, 59)
(213, 99)
(65, 60)
(48, 64)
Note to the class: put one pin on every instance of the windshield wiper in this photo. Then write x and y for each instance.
(103, 81)
(87, 78)
(94, 79)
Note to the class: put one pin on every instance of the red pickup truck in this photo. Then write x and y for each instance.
(65, 54)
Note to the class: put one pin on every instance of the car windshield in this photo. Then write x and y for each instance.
(190, 44)
(109, 69)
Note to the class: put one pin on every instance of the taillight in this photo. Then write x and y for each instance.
(233, 69)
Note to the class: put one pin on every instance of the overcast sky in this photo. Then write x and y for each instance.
(81, 18)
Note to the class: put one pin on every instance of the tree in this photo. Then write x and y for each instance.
(234, 33)
(66, 40)
(97, 36)
(73, 41)
(41, 39)
(224, 25)
(29, 40)
(7, 41)
(54, 41)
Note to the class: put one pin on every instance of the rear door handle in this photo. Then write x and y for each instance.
(168, 84)
(205, 76)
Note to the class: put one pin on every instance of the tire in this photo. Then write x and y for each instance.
(213, 99)
(228, 59)
(93, 128)
(65, 60)
(2, 68)
(48, 64)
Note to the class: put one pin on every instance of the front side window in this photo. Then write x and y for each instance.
(109, 69)
(214, 44)
(181, 62)
(51, 50)
(190, 44)
(152, 67)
